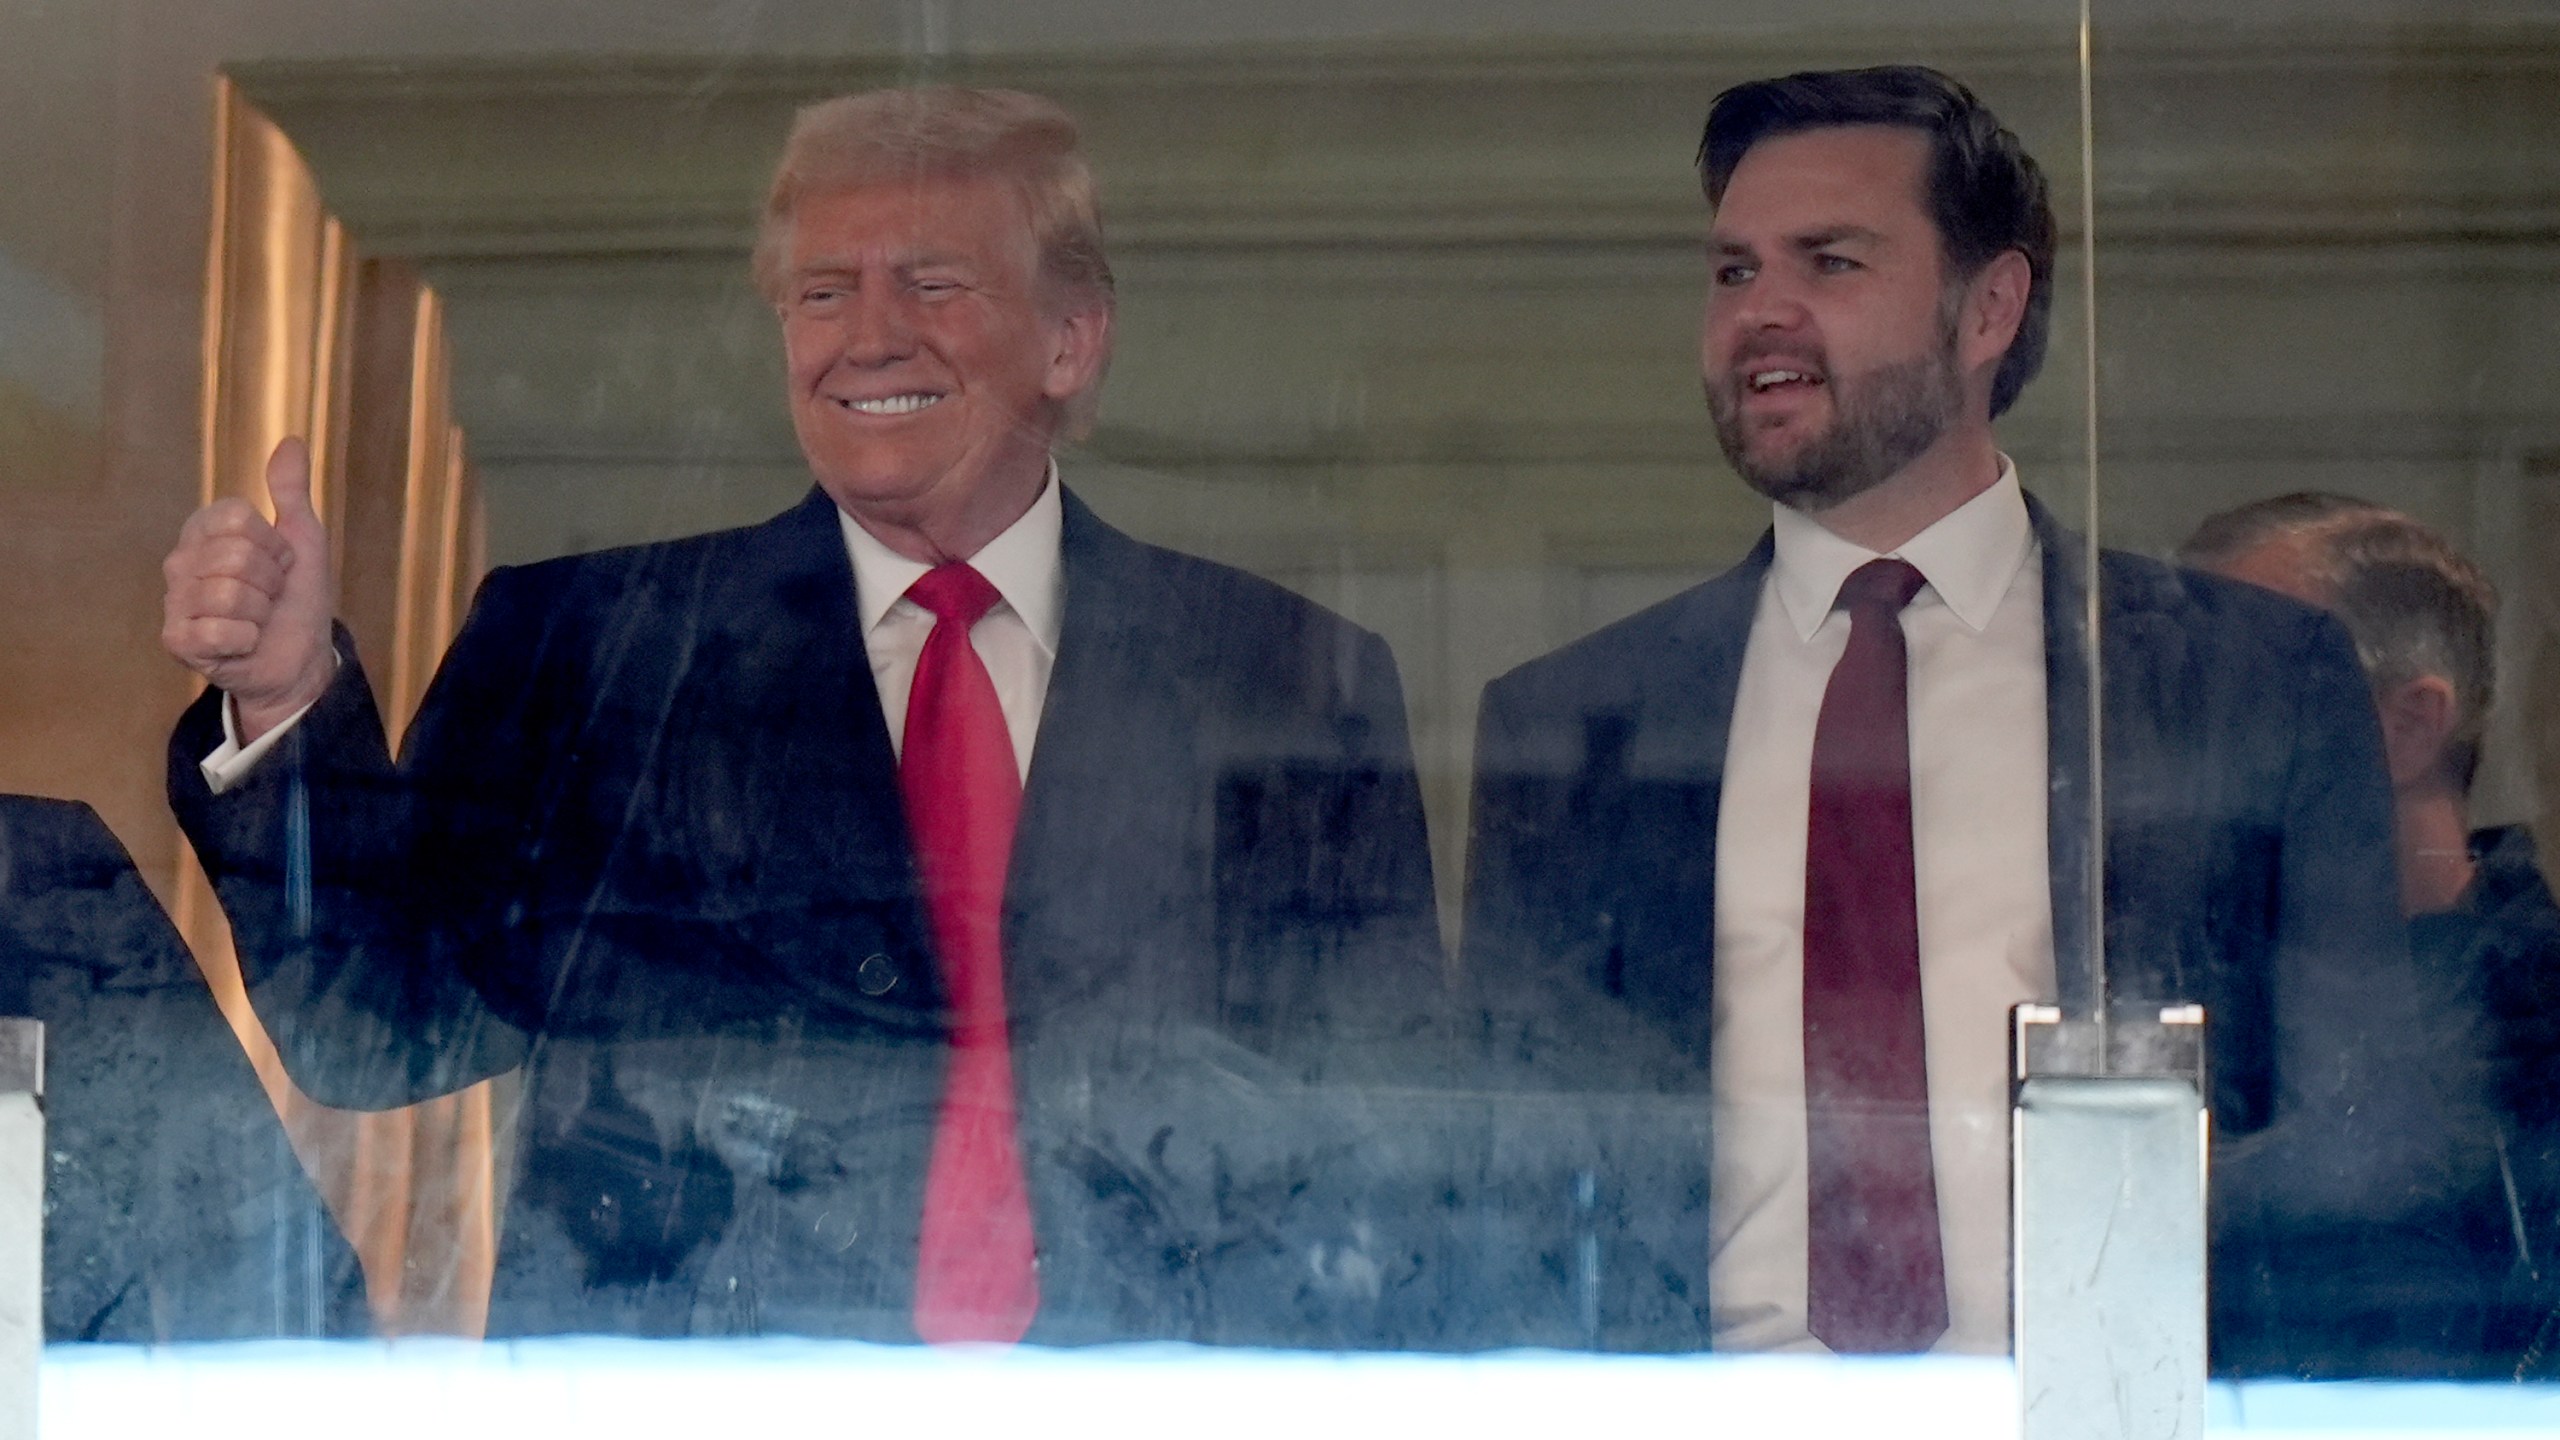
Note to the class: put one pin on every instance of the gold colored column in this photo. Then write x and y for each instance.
(302, 337)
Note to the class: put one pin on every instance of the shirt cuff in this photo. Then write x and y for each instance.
(231, 761)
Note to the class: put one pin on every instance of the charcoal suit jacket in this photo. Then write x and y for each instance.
(2246, 866)
(645, 839)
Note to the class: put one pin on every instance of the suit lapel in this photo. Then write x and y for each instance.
(2108, 775)
(782, 660)
(2071, 804)
(1664, 773)
(1110, 785)
(1101, 629)
(1702, 667)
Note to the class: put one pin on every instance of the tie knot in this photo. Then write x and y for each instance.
(1885, 585)
(954, 592)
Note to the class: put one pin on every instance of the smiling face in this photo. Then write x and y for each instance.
(1830, 351)
(928, 366)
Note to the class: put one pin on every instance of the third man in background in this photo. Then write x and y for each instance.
(2482, 923)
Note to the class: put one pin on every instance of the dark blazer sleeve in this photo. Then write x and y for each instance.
(2370, 1067)
(174, 1207)
(2343, 1216)
(356, 887)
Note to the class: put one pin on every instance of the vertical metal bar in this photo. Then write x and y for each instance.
(21, 1224)
(2094, 891)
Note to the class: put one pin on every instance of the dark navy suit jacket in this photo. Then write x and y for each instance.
(174, 1207)
(645, 838)
(2246, 867)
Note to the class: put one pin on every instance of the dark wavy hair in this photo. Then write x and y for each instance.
(1986, 194)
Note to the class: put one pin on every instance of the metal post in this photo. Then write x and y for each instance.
(21, 1224)
(2107, 1280)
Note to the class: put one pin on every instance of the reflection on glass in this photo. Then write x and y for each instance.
(1060, 956)
(2336, 308)
(174, 1208)
(2483, 929)
(793, 1060)
(1794, 822)
(308, 336)
(928, 914)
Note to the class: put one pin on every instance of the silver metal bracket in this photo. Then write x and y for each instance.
(21, 1224)
(2107, 1271)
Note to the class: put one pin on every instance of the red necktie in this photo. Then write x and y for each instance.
(974, 1273)
(1876, 1280)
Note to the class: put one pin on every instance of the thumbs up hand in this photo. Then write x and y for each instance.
(250, 600)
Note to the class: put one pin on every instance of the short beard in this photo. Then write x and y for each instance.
(1881, 421)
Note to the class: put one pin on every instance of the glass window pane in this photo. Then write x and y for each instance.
(1235, 966)
(2324, 282)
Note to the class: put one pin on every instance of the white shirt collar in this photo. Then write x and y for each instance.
(1968, 557)
(1022, 563)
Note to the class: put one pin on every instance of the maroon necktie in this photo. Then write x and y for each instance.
(974, 1273)
(1876, 1280)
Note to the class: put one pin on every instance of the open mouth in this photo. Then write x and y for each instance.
(1768, 378)
(907, 404)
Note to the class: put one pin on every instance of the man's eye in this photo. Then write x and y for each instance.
(935, 289)
(1834, 264)
(1736, 274)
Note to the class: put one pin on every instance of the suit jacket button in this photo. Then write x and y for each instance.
(876, 976)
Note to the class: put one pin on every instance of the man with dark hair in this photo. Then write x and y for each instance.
(2482, 923)
(1984, 193)
(921, 915)
(1787, 848)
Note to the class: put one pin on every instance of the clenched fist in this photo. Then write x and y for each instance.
(250, 601)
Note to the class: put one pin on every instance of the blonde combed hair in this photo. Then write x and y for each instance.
(952, 132)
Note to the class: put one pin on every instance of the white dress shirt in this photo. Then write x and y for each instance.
(1018, 639)
(1975, 635)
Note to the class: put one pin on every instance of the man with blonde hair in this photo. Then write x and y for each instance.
(922, 914)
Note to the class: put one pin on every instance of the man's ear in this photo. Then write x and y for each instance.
(2418, 718)
(1081, 347)
(1995, 305)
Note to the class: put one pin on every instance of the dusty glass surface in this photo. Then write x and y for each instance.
(1336, 1015)
(2324, 287)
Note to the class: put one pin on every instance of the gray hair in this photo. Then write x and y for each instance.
(2413, 604)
